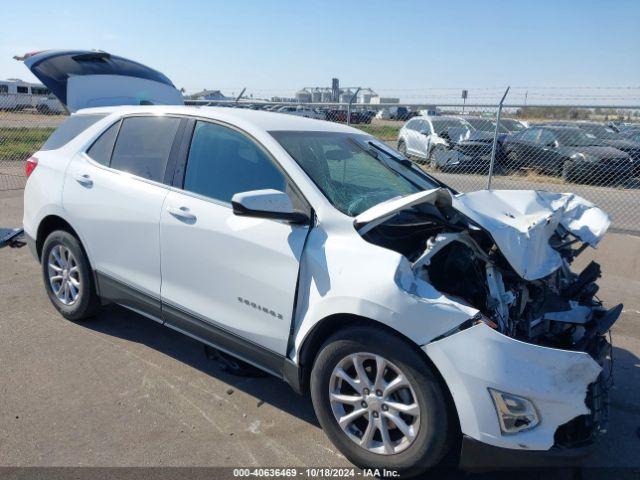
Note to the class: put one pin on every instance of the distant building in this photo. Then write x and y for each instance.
(209, 95)
(335, 89)
(303, 96)
(16, 94)
(334, 94)
(283, 99)
(378, 100)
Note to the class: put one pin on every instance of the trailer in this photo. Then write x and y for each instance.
(12, 237)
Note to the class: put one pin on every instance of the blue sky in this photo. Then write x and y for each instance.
(277, 46)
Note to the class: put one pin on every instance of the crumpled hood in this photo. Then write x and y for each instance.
(521, 222)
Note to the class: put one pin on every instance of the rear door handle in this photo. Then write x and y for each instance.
(182, 213)
(84, 180)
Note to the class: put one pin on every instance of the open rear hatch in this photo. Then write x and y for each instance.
(84, 79)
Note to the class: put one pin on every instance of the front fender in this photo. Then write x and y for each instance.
(344, 275)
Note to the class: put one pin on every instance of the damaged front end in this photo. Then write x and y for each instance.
(508, 255)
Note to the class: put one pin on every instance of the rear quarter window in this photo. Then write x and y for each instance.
(70, 129)
(101, 149)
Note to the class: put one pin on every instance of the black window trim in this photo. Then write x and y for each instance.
(181, 164)
(174, 179)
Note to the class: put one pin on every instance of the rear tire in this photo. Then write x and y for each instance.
(67, 277)
(567, 171)
(431, 431)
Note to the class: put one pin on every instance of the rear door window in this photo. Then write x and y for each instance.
(70, 129)
(143, 146)
(101, 149)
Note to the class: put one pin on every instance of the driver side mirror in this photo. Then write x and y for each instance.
(268, 203)
(553, 144)
(426, 133)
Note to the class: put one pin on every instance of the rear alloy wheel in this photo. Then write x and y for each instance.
(67, 276)
(379, 402)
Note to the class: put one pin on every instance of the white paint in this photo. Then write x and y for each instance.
(479, 357)
(521, 223)
(204, 265)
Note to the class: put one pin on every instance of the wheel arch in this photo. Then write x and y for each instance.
(314, 340)
(53, 222)
(331, 324)
(49, 224)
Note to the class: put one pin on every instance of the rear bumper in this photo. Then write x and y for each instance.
(476, 455)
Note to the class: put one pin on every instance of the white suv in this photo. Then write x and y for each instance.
(423, 136)
(414, 315)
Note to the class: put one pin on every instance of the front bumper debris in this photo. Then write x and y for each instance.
(556, 381)
(477, 455)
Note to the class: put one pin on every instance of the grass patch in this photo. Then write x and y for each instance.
(382, 132)
(20, 143)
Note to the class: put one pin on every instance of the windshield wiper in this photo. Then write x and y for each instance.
(404, 161)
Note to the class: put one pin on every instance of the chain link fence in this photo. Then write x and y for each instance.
(588, 148)
(26, 121)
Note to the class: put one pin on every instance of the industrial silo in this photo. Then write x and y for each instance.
(303, 96)
(345, 96)
(316, 96)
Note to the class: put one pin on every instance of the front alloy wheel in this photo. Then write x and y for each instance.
(379, 401)
(374, 403)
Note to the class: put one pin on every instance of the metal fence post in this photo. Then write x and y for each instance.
(495, 139)
(353, 97)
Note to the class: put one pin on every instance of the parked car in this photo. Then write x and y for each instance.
(628, 126)
(507, 125)
(300, 111)
(446, 143)
(567, 152)
(383, 114)
(631, 134)
(402, 113)
(417, 317)
(607, 136)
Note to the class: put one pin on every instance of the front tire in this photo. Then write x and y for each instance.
(402, 148)
(67, 276)
(432, 157)
(567, 171)
(378, 401)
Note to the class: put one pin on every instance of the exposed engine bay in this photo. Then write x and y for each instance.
(461, 258)
(509, 256)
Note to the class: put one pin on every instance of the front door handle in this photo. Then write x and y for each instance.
(84, 180)
(182, 213)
